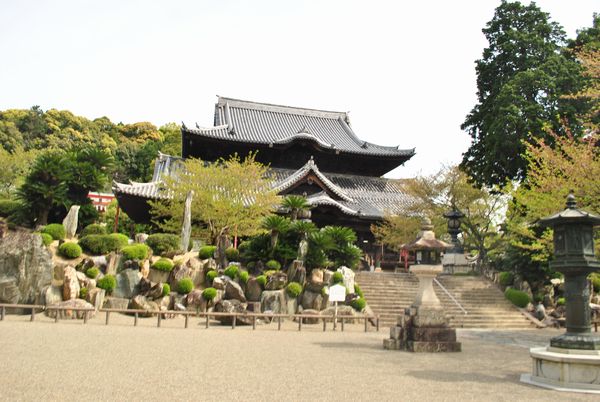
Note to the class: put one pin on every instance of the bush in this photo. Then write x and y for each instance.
(232, 254)
(46, 239)
(561, 301)
(69, 250)
(166, 289)
(232, 271)
(83, 293)
(162, 243)
(206, 252)
(103, 244)
(185, 286)
(262, 280)
(337, 278)
(209, 294)
(211, 275)
(108, 283)
(506, 278)
(244, 276)
(595, 278)
(92, 272)
(358, 290)
(293, 289)
(273, 265)
(8, 207)
(163, 264)
(358, 304)
(94, 228)
(518, 298)
(135, 252)
(56, 230)
(324, 291)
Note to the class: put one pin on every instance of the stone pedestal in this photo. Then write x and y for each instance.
(424, 326)
(455, 263)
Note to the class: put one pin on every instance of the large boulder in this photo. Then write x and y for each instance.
(192, 268)
(297, 272)
(311, 300)
(273, 301)
(348, 275)
(51, 295)
(113, 261)
(127, 282)
(25, 267)
(231, 306)
(310, 320)
(195, 302)
(95, 297)
(118, 303)
(71, 314)
(71, 220)
(234, 291)
(142, 303)
(316, 282)
(276, 281)
(158, 276)
(342, 311)
(71, 285)
(253, 290)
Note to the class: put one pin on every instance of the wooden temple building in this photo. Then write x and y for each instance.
(310, 152)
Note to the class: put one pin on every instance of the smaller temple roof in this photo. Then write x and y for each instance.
(426, 239)
(263, 123)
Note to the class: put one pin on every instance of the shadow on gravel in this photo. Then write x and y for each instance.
(446, 376)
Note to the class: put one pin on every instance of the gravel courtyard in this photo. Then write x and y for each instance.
(72, 361)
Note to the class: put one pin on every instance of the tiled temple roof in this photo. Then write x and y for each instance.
(263, 123)
(360, 196)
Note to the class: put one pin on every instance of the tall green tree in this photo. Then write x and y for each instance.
(521, 80)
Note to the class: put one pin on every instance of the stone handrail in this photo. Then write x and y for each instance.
(450, 296)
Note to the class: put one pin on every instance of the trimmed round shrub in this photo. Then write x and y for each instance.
(209, 294)
(108, 283)
(337, 278)
(46, 239)
(232, 254)
(506, 278)
(273, 265)
(69, 250)
(516, 297)
(162, 243)
(293, 289)
(56, 230)
(135, 252)
(244, 276)
(92, 272)
(166, 289)
(561, 301)
(206, 252)
(120, 239)
(185, 286)
(164, 265)
(211, 275)
(232, 271)
(103, 244)
(358, 304)
(83, 293)
(324, 291)
(9, 207)
(262, 280)
(94, 228)
(358, 290)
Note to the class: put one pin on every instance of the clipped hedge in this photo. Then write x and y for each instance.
(185, 286)
(83, 292)
(337, 278)
(8, 207)
(92, 272)
(244, 276)
(108, 283)
(561, 301)
(516, 297)
(273, 265)
(206, 252)
(161, 243)
(56, 230)
(358, 290)
(358, 304)
(135, 252)
(46, 239)
(262, 280)
(211, 275)
(232, 254)
(166, 289)
(209, 294)
(506, 278)
(94, 228)
(69, 250)
(293, 289)
(163, 264)
(232, 271)
(103, 244)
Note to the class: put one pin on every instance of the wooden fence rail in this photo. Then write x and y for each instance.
(186, 314)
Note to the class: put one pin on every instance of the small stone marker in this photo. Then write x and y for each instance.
(70, 222)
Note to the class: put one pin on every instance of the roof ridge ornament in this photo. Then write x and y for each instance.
(571, 201)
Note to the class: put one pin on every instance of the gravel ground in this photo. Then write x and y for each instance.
(72, 361)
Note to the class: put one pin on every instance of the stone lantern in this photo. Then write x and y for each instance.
(454, 218)
(572, 361)
(454, 260)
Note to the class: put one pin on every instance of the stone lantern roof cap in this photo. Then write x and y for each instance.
(571, 215)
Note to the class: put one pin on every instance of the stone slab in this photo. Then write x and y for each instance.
(415, 346)
(432, 334)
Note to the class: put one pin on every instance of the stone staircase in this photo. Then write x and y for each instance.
(388, 294)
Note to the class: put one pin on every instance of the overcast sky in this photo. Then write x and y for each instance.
(403, 69)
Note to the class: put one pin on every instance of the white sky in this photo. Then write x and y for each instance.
(404, 69)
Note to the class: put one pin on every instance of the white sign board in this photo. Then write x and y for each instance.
(337, 293)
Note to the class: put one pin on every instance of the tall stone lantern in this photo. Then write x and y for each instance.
(454, 218)
(572, 361)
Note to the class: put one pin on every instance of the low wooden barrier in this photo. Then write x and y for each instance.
(187, 314)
